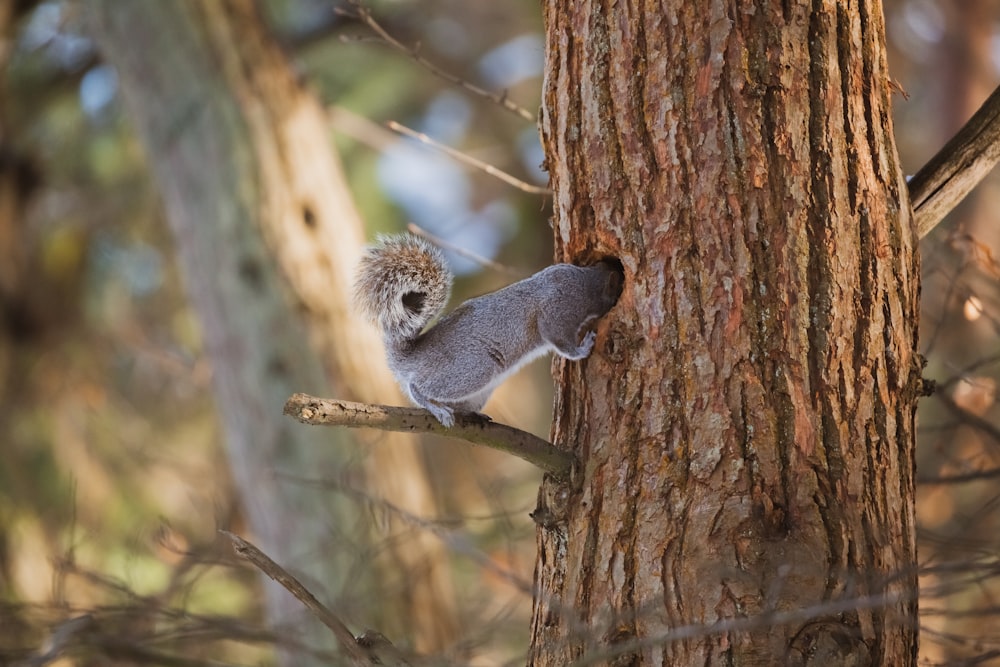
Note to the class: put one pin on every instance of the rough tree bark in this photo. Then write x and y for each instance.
(746, 425)
(267, 236)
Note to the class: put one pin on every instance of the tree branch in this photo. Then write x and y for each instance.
(62, 636)
(459, 250)
(357, 651)
(960, 478)
(364, 15)
(472, 428)
(957, 168)
(768, 619)
(459, 156)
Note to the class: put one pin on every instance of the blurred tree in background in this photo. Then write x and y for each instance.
(118, 465)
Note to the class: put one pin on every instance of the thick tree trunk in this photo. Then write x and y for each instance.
(745, 427)
(267, 237)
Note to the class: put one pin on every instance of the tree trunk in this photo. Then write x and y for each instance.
(267, 236)
(745, 426)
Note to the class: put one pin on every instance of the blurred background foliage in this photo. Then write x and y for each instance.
(113, 481)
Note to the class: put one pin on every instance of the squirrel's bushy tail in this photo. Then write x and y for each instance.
(402, 283)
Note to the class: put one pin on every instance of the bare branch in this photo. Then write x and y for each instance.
(975, 421)
(768, 619)
(957, 168)
(476, 429)
(62, 635)
(458, 250)
(960, 478)
(360, 128)
(365, 16)
(357, 654)
(469, 160)
(375, 136)
(457, 541)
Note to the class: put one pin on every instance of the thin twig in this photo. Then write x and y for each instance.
(964, 161)
(471, 428)
(965, 372)
(360, 128)
(768, 619)
(960, 478)
(456, 541)
(968, 418)
(357, 654)
(61, 637)
(469, 160)
(458, 250)
(365, 16)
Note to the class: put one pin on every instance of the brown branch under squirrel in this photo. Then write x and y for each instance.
(476, 429)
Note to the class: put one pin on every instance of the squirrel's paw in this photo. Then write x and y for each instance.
(574, 351)
(444, 415)
(587, 344)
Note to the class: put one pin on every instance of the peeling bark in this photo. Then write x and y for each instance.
(746, 423)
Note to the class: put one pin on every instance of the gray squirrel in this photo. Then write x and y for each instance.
(403, 283)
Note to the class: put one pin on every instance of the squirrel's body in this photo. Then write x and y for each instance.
(403, 283)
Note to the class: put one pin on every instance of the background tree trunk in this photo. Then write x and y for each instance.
(266, 232)
(745, 425)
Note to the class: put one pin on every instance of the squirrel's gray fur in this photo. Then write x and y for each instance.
(403, 283)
